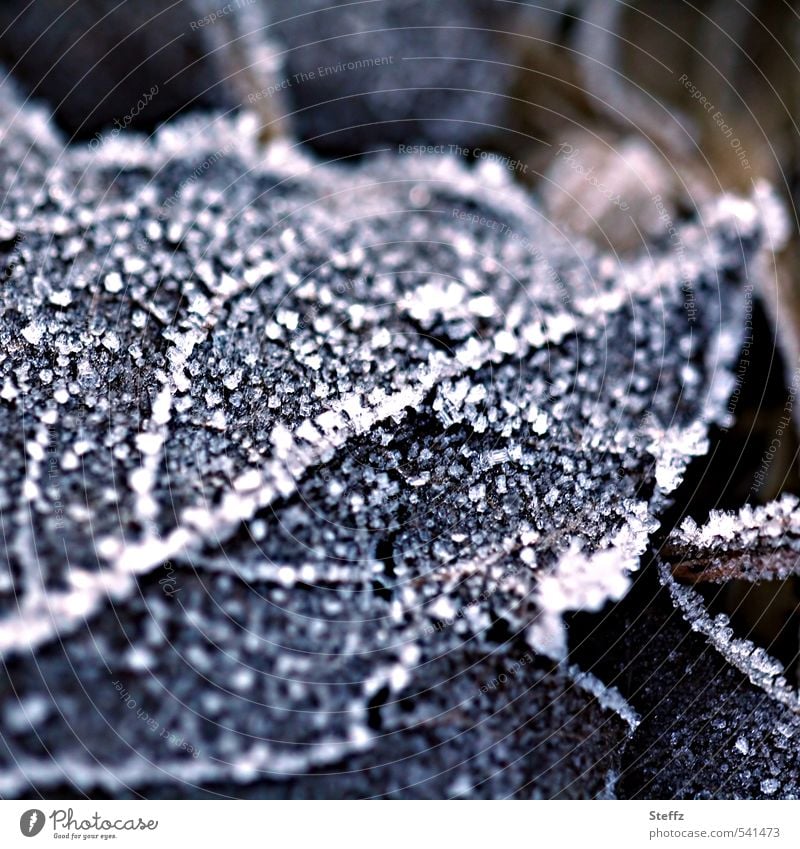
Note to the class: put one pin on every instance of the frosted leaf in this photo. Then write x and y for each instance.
(763, 670)
(283, 454)
(757, 543)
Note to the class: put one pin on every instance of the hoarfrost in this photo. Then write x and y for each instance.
(278, 454)
(760, 542)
